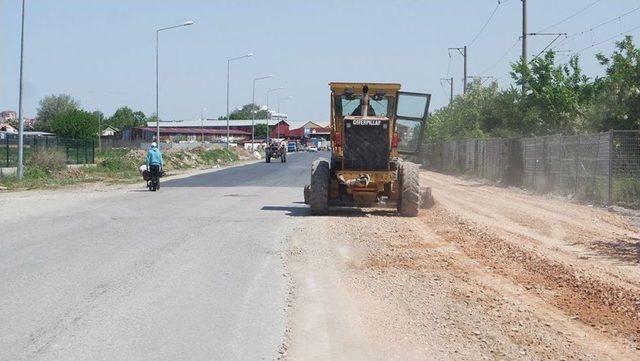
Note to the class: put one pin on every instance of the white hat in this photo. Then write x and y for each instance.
(154, 144)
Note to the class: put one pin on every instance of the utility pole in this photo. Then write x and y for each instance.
(20, 115)
(228, 65)
(450, 81)
(202, 124)
(524, 38)
(465, 69)
(463, 52)
(186, 23)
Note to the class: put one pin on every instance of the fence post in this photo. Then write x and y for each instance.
(577, 164)
(610, 188)
(6, 137)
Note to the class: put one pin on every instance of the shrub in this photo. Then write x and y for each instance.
(222, 155)
(626, 191)
(116, 160)
(48, 161)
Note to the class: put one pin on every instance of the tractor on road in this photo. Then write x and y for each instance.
(372, 124)
(275, 150)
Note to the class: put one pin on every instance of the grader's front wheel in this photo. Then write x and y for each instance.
(409, 177)
(319, 190)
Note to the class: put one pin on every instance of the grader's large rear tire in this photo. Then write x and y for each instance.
(409, 202)
(319, 192)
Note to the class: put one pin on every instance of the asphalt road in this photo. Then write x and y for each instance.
(192, 272)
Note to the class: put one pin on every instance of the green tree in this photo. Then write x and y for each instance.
(555, 96)
(75, 124)
(52, 105)
(152, 119)
(617, 104)
(244, 113)
(261, 130)
(125, 118)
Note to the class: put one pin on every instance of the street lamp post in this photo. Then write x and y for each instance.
(253, 113)
(20, 169)
(279, 101)
(228, 65)
(268, 92)
(202, 124)
(186, 23)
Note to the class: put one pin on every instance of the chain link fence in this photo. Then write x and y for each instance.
(75, 151)
(601, 168)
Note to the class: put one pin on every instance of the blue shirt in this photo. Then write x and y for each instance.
(154, 157)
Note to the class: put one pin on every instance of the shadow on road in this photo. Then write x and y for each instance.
(290, 210)
(296, 211)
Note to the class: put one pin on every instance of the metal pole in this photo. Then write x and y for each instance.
(278, 124)
(524, 38)
(465, 70)
(187, 23)
(228, 61)
(253, 116)
(269, 113)
(157, 91)
(610, 153)
(20, 117)
(268, 116)
(451, 96)
(202, 126)
(99, 132)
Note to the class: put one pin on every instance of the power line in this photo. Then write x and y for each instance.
(485, 24)
(501, 58)
(572, 15)
(464, 53)
(449, 65)
(607, 40)
(557, 36)
(617, 18)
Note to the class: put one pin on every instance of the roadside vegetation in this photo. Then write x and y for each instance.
(47, 169)
(559, 99)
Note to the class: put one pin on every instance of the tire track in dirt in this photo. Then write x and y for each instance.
(586, 236)
(605, 306)
(419, 295)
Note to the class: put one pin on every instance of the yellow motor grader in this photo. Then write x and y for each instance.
(372, 124)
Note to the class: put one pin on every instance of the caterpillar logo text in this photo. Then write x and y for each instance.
(366, 122)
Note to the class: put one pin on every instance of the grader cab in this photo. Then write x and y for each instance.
(372, 124)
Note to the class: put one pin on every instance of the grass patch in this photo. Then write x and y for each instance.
(48, 170)
(210, 157)
(626, 191)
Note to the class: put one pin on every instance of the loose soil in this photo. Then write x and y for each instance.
(487, 273)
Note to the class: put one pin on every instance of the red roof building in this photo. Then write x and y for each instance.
(191, 133)
(308, 130)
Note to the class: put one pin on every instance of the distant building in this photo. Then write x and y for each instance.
(109, 131)
(176, 134)
(278, 116)
(8, 115)
(307, 131)
(7, 129)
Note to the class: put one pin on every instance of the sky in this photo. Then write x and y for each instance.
(102, 52)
